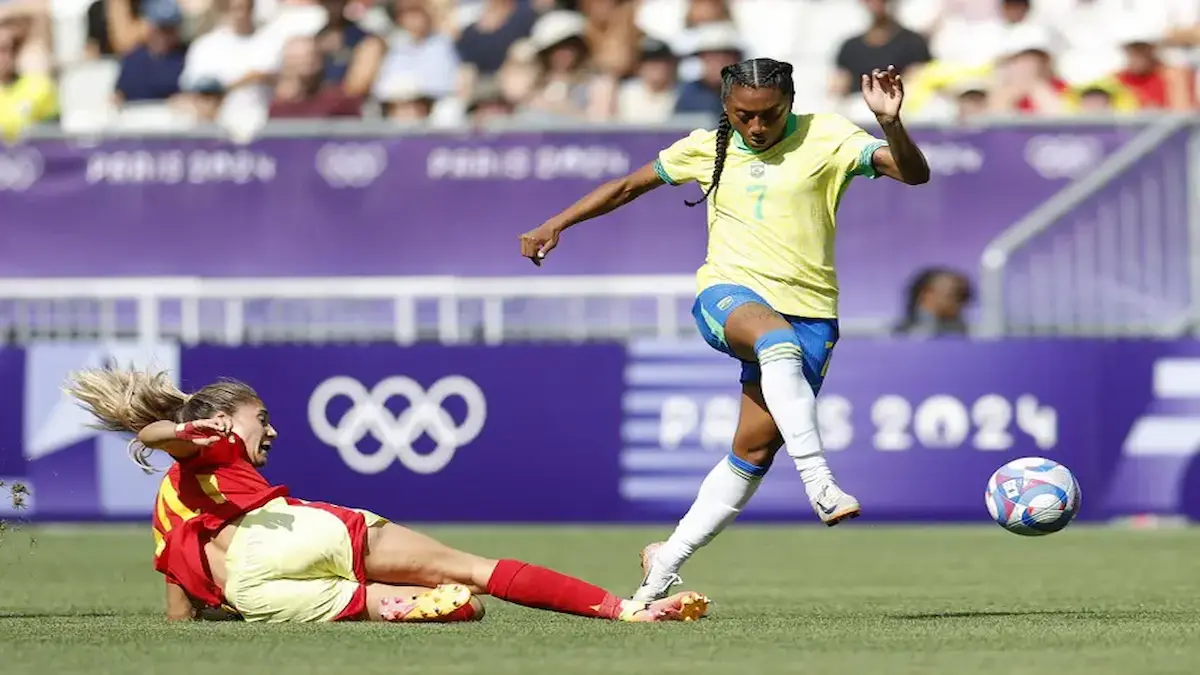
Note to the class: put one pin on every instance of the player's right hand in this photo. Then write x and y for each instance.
(203, 432)
(538, 242)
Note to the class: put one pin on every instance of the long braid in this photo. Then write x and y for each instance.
(724, 131)
(754, 74)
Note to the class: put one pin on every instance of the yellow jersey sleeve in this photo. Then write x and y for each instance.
(855, 147)
(687, 159)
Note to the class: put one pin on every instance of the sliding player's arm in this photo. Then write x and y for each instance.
(616, 193)
(184, 439)
(179, 605)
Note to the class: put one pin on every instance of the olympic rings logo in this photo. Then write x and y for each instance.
(396, 434)
(20, 169)
(351, 165)
(1059, 156)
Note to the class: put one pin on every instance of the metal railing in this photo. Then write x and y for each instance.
(352, 309)
(404, 310)
(1112, 255)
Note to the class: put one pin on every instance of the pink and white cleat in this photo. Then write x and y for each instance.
(686, 606)
(448, 602)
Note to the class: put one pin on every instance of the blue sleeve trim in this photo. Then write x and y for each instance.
(866, 163)
(662, 173)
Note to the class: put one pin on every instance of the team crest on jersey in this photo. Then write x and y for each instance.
(757, 170)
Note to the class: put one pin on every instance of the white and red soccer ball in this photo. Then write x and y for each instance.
(1033, 496)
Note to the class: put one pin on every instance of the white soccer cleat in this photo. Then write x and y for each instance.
(656, 581)
(832, 505)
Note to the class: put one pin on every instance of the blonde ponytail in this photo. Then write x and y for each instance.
(126, 400)
(131, 400)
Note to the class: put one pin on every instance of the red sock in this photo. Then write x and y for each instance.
(538, 587)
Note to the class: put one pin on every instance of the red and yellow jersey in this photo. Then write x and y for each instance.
(198, 496)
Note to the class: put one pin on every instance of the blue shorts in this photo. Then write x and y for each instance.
(817, 336)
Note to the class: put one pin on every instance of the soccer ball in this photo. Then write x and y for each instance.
(1032, 496)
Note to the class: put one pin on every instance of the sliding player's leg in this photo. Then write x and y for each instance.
(303, 562)
(723, 494)
(399, 555)
(331, 598)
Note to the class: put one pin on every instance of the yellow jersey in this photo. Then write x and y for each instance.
(771, 222)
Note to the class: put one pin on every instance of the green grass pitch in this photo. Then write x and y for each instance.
(857, 599)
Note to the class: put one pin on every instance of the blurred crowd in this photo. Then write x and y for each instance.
(174, 63)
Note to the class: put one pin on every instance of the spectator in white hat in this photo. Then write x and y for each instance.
(567, 86)
(1026, 81)
(488, 103)
(404, 99)
(716, 45)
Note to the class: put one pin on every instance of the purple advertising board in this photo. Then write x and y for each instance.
(436, 205)
(425, 433)
(914, 429)
(626, 433)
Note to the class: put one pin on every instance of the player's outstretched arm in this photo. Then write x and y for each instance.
(185, 439)
(618, 192)
(901, 159)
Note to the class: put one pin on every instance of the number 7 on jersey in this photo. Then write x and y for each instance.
(758, 192)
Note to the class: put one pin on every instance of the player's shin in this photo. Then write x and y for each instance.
(533, 586)
(793, 404)
(723, 494)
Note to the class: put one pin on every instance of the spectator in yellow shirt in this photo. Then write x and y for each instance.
(24, 99)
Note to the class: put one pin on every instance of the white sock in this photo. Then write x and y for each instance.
(791, 401)
(723, 494)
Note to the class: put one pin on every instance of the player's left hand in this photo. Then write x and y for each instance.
(884, 93)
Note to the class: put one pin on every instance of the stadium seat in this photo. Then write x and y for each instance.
(85, 92)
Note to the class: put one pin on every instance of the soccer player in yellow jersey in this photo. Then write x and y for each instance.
(767, 292)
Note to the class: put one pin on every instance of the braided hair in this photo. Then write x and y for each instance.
(754, 74)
